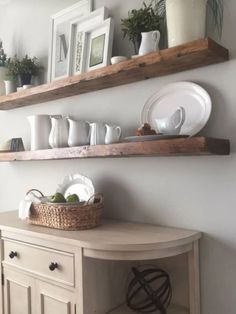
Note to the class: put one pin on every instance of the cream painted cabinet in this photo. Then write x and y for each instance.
(52, 299)
(26, 295)
(48, 271)
(18, 290)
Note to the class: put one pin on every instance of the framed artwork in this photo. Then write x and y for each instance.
(59, 56)
(98, 46)
(78, 38)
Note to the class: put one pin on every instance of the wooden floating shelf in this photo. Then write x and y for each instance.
(192, 55)
(174, 147)
(172, 309)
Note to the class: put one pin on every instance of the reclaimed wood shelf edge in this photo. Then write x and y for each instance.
(194, 146)
(192, 55)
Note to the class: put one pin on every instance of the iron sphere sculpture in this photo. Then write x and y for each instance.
(149, 290)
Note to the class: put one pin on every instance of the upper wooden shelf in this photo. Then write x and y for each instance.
(175, 147)
(192, 55)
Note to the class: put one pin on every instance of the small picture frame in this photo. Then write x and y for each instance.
(59, 57)
(78, 38)
(98, 45)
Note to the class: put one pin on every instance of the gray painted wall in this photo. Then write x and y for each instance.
(191, 192)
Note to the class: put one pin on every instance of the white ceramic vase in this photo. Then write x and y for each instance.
(186, 20)
(2, 77)
(40, 126)
(79, 133)
(149, 43)
(113, 134)
(58, 136)
(10, 87)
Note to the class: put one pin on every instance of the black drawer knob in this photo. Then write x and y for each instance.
(53, 266)
(13, 254)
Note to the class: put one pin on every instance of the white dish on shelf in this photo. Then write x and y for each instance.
(154, 137)
(77, 184)
(193, 98)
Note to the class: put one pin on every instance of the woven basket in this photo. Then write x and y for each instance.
(81, 216)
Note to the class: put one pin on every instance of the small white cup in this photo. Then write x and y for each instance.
(118, 59)
(27, 86)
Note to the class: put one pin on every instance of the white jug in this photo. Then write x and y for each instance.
(97, 133)
(113, 134)
(171, 125)
(79, 132)
(149, 43)
(59, 132)
(40, 127)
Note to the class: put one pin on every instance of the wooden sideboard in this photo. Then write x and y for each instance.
(46, 271)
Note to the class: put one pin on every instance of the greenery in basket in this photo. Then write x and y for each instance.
(59, 198)
(144, 19)
(25, 66)
(214, 7)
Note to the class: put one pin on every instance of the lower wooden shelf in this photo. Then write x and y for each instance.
(175, 147)
(173, 309)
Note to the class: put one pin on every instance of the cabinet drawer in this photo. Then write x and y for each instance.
(45, 262)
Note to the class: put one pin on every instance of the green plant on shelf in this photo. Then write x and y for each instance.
(144, 19)
(22, 69)
(3, 56)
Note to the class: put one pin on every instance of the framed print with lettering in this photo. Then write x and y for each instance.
(78, 38)
(59, 57)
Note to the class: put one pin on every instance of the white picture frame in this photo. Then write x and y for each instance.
(98, 45)
(78, 41)
(58, 60)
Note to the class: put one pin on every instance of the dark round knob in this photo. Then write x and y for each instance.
(53, 266)
(12, 254)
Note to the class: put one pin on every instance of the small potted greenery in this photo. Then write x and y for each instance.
(3, 59)
(11, 75)
(144, 19)
(22, 69)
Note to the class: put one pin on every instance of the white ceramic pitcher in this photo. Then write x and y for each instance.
(59, 132)
(40, 127)
(79, 132)
(171, 125)
(97, 133)
(149, 43)
(113, 134)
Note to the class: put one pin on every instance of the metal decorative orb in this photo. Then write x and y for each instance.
(149, 290)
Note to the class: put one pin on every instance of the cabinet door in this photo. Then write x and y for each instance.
(17, 293)
(52, 299)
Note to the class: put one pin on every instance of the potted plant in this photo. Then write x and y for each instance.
(186, 20)
(3, 59)
(11, 75)
(26, 68)
(144, 19)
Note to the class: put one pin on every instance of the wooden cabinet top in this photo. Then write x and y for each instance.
(112, 235)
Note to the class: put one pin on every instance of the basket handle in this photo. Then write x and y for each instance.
(98, 198)
(35, 190)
